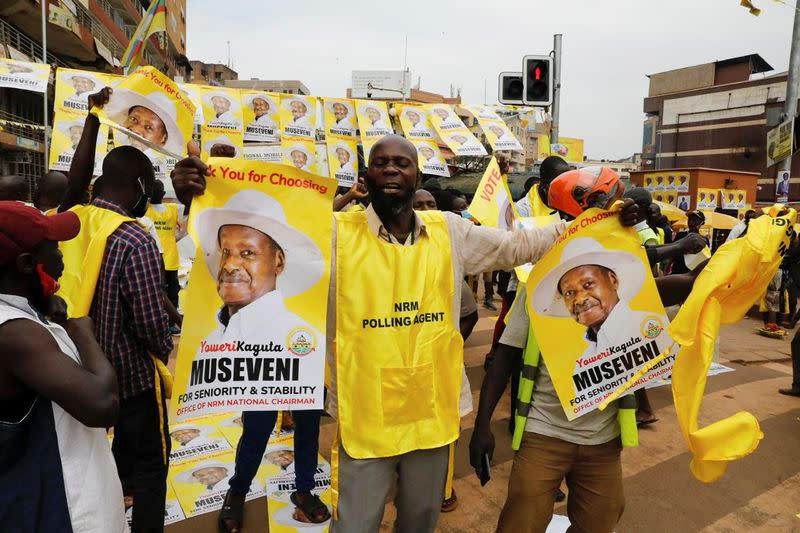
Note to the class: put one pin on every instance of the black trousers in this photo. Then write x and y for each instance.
(141, 450)
(173, 287)
(796, 361)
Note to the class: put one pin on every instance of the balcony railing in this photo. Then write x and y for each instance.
(13, 37)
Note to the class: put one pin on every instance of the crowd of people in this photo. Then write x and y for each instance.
(65, 381)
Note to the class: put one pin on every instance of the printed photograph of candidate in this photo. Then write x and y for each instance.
(227, 109)
(300, 156)
(213, 475)
(150, 117)
(257, 260)
(84, 85)
(594, 286)
(418, 118)
(465, 143)
(264, 108)
(301, 111)
(189, 435)
(449, 118)
(377, 119)
(73, 130)
(344, 117)
(346, 158)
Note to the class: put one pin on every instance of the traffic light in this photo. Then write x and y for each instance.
(537, 80)
(509, 88)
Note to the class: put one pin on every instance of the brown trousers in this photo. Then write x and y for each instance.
(594, 479)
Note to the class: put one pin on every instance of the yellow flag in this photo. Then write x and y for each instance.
(492, 205)
(736, 276)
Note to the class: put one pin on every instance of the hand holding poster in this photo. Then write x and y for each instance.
(253, 336)
(24, 75)
(492, 205)
(596, 312)
(150, 112)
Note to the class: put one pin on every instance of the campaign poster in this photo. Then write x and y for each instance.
(269, 153)
(523, 271)
(321, 154)
(192, 92)
(415, 122)
(298, 116)
(707, 199)
(222, 108)
(67, 131)
(682, 182)
(453, 132)
(24, 75)
(596, 311)
(253, 335)
(492, 204)
(732, 198)
(684, 202)
(261, 116)
(340, 118)
(429, 158)
(499, 136)
(373, 120)
(659, 182)
(200, 485)
(284, 517)
(149, 112)
(343, 161)
(230, 425)
(198, 437)
(73, 88)
(647, 182)
(300, 153)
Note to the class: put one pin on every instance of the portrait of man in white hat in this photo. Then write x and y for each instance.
(281, 455)
(263, 107)
(448, 117)
(465, 142)
(222, 107)
(300, 157)
(345, 157)
(151, 117)
(344, 121)
(213, 475)
(378, 121)
(301, 113)
(189, 435)
(73, 130)
(593, 286)
(419, 123)
(83, 84)
(501, 134)
(257, 259)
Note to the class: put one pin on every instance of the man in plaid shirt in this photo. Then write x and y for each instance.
(130, 318)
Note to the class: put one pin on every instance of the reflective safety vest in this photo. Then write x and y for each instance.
(661, 235)
(398, 352)
(83, 256)
(166, 223)
(538, 207)
(626, 415)
(647, 234)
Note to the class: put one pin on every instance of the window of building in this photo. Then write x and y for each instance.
(218, 75)
(183, 16)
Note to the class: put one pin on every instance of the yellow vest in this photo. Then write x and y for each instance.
(398, 353)
(83, 256)
(538, 207)
(166, 224)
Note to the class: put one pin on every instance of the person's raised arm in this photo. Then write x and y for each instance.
(357, 192)
(693, 243)
(82, 167)
(88, 392)
(674, 289)
(189, 176)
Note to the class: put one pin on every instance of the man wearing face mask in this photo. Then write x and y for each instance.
(113, 275)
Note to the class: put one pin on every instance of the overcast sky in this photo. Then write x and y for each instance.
(609, 47)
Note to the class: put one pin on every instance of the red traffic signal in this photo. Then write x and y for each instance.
(537, 80)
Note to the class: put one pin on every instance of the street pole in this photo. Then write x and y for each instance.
(792, 82)
(556, 88)
(44, 60)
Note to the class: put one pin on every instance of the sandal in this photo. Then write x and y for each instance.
(310, 510)
(231, 511)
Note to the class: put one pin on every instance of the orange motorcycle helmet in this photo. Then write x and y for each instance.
(575, 191)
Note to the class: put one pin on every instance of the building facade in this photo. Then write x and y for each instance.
(211, 73)
(270, 86)
(716, 115)
(89, 35)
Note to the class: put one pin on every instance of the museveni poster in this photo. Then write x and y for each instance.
(254, 331)
(596, 311)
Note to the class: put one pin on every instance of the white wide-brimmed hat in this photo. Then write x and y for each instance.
(188, 475)
(83, 75)
(204, 430)
(235, 102)
(279, 448)
(122, 100)
(343, 146)
(221, 139)
(310, 106)
(287, 153)
(248, 99)
(348, 105)
(362, 109)
(303, 265)
(64, 126)
(587, 251)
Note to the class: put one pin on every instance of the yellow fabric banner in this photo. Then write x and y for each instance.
(492, 205)
(263, 234)
(597, 313)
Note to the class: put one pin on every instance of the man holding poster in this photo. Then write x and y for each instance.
(397, 410)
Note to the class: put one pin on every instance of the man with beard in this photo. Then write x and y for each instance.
(393, 392)
(118, 285)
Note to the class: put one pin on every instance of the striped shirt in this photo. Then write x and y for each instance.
(128, 308)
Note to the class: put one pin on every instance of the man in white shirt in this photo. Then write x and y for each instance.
(299, 114)
(222, 109)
